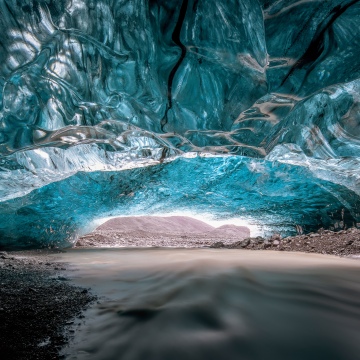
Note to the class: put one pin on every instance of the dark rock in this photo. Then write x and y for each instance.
(240, 244)
(245, 243)
(235, 245)
(62, 278)
(275, 237)
(217, 245)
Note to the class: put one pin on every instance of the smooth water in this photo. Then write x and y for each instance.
(169, 304)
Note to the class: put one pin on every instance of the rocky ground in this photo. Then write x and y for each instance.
(342, 243)
(39, 308)
(112, 238)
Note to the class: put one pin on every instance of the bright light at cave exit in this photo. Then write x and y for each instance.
(205, 217)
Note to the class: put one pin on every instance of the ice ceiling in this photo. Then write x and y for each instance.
(241, 108)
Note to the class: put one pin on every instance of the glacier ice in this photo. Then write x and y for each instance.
(247, 108)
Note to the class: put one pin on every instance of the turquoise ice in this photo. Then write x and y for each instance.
(243, 108)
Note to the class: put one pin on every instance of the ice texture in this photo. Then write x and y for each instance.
(245, 108)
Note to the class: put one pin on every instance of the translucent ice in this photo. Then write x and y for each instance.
(125, 89)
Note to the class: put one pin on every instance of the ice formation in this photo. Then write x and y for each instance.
(244, 108)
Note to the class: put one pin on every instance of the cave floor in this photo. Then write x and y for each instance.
(341, 243)
(163, 303)
(39, 306)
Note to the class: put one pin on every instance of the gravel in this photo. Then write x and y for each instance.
(39, 307)
(341, 243)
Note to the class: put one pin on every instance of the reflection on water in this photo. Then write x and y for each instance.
(217, 304)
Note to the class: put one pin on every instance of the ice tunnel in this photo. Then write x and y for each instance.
(241, 108)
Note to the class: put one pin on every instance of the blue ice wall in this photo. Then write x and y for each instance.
(125, 89)
(234, 186)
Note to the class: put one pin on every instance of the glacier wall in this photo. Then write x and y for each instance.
(246, 108)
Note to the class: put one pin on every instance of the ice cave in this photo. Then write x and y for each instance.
(241, 108)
